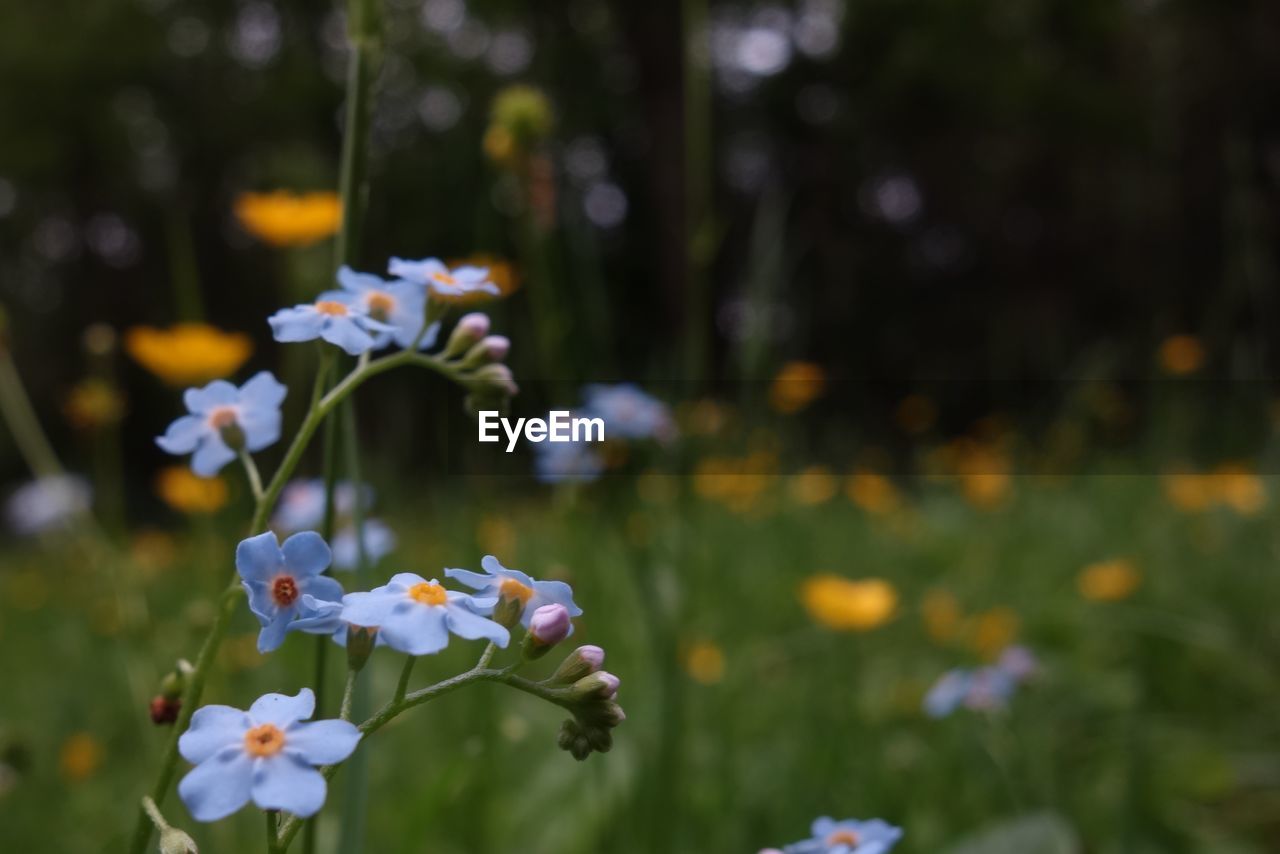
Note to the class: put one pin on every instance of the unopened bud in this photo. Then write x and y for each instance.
(602, 684)
(582, 661)
(492, 348)
(574, 740)
(360, 644)
(549, 625)
(174, 841)
(164, 710)
(466, 334)
(494, 378)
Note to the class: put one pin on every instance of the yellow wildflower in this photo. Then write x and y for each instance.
(797, 385)
(846, 604)
(188, 353)
(93, 403)
(1181, 355)
(1109, 580)
(941, 614)
(80, 757)
(1231, 485)
(993, 630)
(873, 492)
(814, 485)
(189, 493)
(704, 662)
(282, 218)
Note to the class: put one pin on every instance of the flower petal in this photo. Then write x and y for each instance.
(263, 390)
(302, 323)
(258, 558)
(322, 742)
(211, 456)
(372, 608)
(184, 434)
(307, 553)
(417, 630)
(274, 630)
(471, 626)
(474, 580)
(218, 786)
(323, 587)
(212, 729)
(344, 332)
(284, 782)
(217, 393)
(281, 709)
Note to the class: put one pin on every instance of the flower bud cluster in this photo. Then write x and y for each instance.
(479, 358)
(591, 694)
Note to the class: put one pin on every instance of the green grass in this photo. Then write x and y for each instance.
(1152, 728)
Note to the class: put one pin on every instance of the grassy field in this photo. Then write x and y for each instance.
(1150, 727)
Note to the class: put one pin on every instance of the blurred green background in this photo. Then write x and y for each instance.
(974, 298)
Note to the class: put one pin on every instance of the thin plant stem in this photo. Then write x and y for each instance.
(251, 472)
(348, 693)
(403, 685)
(16, 406)
(273, 831)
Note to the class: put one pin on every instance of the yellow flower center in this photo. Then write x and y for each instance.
(843, 837)
(444, 278)
(428, 593)
(264, 740)
(512, 589)
(223, 416)
(380, 305)
(335, 309)
(284, 590)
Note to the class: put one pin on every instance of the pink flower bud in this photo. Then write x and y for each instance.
(550, 624)
(611, 683)
(496, 347)
(592, 656)
(469, 329)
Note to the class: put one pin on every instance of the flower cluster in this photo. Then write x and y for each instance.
(265, 755)
(850, 836)
(223, 420)
(982, 689)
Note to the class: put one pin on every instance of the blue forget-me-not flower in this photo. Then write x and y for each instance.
(848, 837)
(416, 616)
(499, 583)
(337, 317)
(223, 419)
(268, 755)
(398, 303)
(276, 577)
(437, 278)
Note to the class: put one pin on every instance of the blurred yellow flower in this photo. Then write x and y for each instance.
(152, 552)
(1231, 485)
(993, 630)
(847, 604)
(704, 662)
(188, 353)
(80, 757)
(187, 492)
(873, 492)
(707, 417)
(797, 385)
(496, 536)
(499, 145)
(814, 485)
(93, 403)
(983, 470)
(1180, 355)
(1109, 580)
(738, 483)
(282, 218)
(941, 614)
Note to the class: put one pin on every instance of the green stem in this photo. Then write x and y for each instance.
(348, 692)
(273, 831)
(251, 472)
(32, 443)
(699, 239)
(403, 685)
(364, 32)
